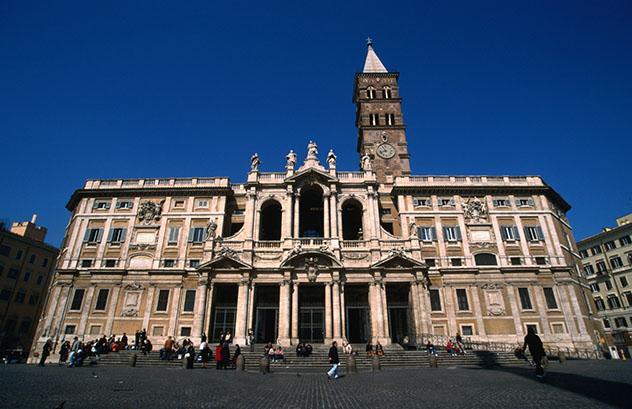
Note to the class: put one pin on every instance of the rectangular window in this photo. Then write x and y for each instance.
(616, 262)
(525, 300)
(431, 262)
(178, 204)
(373, 119)
(124, 204)
(40, 279)
(101, 204)
(534, 233)
(532, 326)
(606, 323)
(515, 261)
(625, 240)
(102, 299)
(435, 300)
(601, 306)
(93, 236)
(86, 263)
(509, 233)
(452, 233)
(163, 299)
(390, 119)
(595, 250)
(174, 232)
(623, 281)
(189, 300)
(456, 262)
(194, 263)
(169, 263)
(157, 331)
(19, 296)
(421, 201)
(549, 296)
(541, 261)
(27, 276)
(613, 302)
(32, 259)
(461, 296)
(601, 267)
(589, 270)
(5, 294)
(620, 322)
(45, 262)
(110, 263)
(446, 202)
(467, 330)
(427, 234)
(77, 299)
(628, 298)
(594, 287)
(18, 255)
(500, 202)
(525, 203)
(117, 235)
(610, 245)
(70, 329)
(558, 328)
(185, 331)
(196, 235)
(608, 285)
(201, 203)
(583, 253)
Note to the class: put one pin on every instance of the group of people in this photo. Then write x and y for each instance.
(376, 349)
(453, 347)
(303, 349)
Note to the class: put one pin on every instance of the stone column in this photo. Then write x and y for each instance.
(343, 312)
(58, 319)
(515, 311)
(116, 291)
(174, 312)
(284, 313)
(386, 329)
(200, 308)
(328, 313)
(242, 310)
(149, 303)
(567, 310)
(326, 219)
(49, 312)
(294, 323)
(287, 215)
(416, 308)
(333, 209)
(206, 325)
(478, 312)
(450, 309)
(85, 312)
(249, 216)
(541, 308)
(251, 309)
(296, 215)
(336, 309)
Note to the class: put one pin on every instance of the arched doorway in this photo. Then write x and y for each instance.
(352, 220)
(311, 215)
(270, 221)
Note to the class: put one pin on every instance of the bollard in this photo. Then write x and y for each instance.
(132, 360)
(351, 364)
(240, 362)
(561, 356)
(433, 361)
(375, 364)
(264, 365)
(185, 362)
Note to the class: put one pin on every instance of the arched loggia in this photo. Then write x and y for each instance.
(311, 214)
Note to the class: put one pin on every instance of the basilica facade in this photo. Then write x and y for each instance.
(314, 253)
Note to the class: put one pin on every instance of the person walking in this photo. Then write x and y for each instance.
(334, 361)
(48, 346)
(74, 350)
(218, 356)
(63, 352)
(536, 348)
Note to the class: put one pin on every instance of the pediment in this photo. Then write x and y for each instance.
(225, 262)
(305, 259)
(311, 174)
(399, 260)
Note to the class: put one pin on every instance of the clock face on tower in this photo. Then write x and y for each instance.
(386, 151)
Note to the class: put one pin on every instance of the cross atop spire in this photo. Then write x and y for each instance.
(372, 62)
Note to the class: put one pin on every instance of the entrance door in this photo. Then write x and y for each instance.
(358, 325)
(224, 321)
(398, 323)
(266, 328)
(311, 324)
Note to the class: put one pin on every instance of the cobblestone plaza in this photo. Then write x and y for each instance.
(576, 384)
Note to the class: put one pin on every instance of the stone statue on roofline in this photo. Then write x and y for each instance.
(254, 163)
(365, 162)
(331, 159)
(291, 160)
(312, 150)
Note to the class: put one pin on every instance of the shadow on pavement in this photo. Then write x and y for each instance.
(608, 392)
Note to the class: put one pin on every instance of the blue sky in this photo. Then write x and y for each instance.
(157, 89)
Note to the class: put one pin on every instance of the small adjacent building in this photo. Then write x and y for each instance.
(607, 265)
(315, 253)
(26, 267)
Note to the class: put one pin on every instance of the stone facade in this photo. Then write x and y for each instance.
(607, 260)
(318, 254)
(26, 268)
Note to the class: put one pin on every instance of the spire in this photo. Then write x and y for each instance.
(372, 62)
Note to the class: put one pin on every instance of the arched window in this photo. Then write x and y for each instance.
(485, 259)
(352, 220)
(270, 221)
(388, 93)
(311, 217)
(370, 93)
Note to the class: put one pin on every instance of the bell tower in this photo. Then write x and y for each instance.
(379, 119)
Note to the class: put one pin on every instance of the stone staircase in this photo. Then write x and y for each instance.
(394, 357)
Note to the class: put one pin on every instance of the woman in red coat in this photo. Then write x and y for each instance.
(218, 356)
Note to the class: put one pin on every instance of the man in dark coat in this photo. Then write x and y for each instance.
(225, 355)
(536, 349)
(334, 361)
